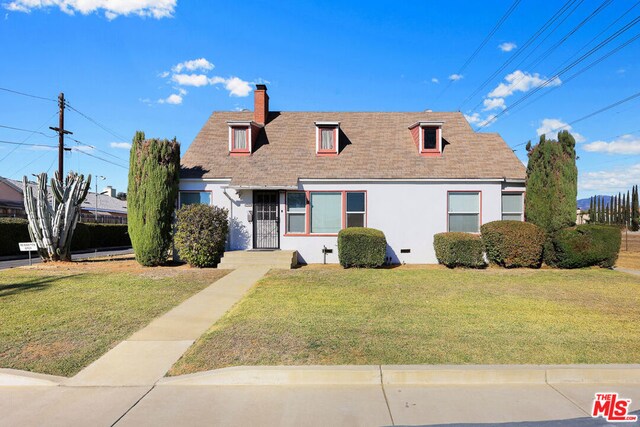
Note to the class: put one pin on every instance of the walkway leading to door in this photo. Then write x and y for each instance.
(148, 354)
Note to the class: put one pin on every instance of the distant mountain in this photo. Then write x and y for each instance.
(583, 204)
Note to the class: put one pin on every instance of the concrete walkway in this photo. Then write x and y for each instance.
(148, 354)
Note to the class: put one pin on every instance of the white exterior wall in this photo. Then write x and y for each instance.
(409, 214)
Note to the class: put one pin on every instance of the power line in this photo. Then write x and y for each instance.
(95, 122)
(509, 11)
(582, 70)
(565, 69)
(99, 158)
(528, 43)
(26, 144)
(550, 50)
(27, 94)
(97, 149)
(602, 110)
(28, 136)
(27, 130)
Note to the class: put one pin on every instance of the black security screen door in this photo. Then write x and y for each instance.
(266, 221)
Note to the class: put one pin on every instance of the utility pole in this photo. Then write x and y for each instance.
(61, 133)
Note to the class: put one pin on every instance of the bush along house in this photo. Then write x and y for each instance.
(293, 180)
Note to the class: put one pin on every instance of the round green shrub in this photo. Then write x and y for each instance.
(456, 249)
(584, 246)
(201, 233)
(361, 247)
(513, 244)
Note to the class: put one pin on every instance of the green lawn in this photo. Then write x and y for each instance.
(427, 316)
(58, 320)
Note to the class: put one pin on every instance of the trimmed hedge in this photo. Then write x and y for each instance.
(13, 231)
(584, 246)
(86, 236)
(361, 247)
(201, 233)
(455, 249)
(513, 244)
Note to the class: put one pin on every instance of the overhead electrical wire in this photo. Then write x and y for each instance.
(27, 94)
(520, 51)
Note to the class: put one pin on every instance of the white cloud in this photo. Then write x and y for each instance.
(112, 8)
(121, 145)
(196, 80)
(174, 99)
(609, 181)
(434, 80)
(493, 103)
(507, 46)
(473, 119)
(193, 65)
(626, 144)
(551, 127)
(237, 87)
(520, 81)
(455, 77)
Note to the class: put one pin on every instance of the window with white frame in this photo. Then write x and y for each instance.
(195, 197)
(326, 212)
(296, 213)
(327, 141)
(356, 209)
(512, 206)
(464, 211)
(240, 138)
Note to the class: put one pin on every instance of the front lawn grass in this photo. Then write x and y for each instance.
(58, 318)
(427, 316)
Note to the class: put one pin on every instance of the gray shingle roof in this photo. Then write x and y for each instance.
(372, 145)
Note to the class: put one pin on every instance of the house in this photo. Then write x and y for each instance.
(109, 209)
(292, 180)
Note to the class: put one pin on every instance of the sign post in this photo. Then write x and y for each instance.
(28, 247)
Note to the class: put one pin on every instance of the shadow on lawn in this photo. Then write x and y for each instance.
(31, 285)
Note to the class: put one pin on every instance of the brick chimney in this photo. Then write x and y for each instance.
(260, 104)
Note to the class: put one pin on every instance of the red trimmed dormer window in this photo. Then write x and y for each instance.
(327, 141)
(242, 137)
(428, 138)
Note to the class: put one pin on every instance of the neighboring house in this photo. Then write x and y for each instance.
(110, 210)
(582, 217)
(292, 180)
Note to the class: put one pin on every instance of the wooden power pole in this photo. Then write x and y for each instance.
(61, 133)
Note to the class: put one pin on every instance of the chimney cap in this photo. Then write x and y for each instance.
(261, 87)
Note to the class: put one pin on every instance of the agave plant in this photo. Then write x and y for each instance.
(52, 221)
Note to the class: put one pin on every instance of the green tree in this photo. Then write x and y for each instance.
(635, 220)
(552, 183)
(154, 166)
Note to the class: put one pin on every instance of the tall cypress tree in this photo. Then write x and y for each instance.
(591, 209)
(635, 220)
(627, 210)
(552, 183)
(154, 167)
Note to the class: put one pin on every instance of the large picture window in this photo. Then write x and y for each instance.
(296, 213)
(512, 206)
(326, 212)
(356, 209)
(464, 212)
(195, 197)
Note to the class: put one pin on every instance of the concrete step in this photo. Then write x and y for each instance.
(271, 259)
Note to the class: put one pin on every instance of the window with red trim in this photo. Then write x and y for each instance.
(430, 139)
(240, 139)
(327, 140)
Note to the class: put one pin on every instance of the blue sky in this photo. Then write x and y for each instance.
(163, 66)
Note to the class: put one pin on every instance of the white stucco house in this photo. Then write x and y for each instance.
(292, 180)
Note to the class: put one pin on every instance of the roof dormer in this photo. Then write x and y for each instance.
(327, 142)
(428, 138)
(242, 137)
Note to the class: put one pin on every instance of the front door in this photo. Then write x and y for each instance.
(266, 220)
